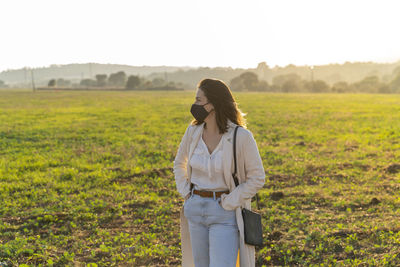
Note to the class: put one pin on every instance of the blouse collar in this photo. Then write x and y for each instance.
(227, 135)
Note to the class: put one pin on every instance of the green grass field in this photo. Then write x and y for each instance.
(84, 175)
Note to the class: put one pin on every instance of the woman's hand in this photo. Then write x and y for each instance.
(187, 196)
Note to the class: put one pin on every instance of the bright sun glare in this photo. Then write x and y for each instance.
(197, 33)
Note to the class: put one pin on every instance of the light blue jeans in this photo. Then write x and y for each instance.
(214, 233)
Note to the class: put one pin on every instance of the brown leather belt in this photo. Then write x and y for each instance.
(209, 193)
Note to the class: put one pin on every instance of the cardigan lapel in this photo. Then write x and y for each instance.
(227, 155)
(195, 139)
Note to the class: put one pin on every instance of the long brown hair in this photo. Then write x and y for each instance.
(219, 94)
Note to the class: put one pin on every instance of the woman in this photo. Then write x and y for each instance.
(211, 219)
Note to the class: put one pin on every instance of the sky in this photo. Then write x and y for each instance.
(212, 33)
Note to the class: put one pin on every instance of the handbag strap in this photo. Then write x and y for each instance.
(234, 157)
(234, 175)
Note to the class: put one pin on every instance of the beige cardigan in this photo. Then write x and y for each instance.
(251, 177)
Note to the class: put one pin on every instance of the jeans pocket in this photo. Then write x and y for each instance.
(187, 200)
(218, 201)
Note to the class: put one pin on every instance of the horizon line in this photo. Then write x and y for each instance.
(202, 66)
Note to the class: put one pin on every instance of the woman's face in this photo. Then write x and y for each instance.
(201, 99)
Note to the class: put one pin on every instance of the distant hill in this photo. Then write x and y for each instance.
(189, 76)
(76, 72)
(349, 72)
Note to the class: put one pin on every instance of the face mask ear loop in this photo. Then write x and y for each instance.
(206, 104)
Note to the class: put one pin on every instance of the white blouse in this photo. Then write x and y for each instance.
(207, 169)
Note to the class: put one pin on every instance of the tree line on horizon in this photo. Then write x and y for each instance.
(250, 80)
(349, 72)
(118, 80)
(3, 84)
(292, 83)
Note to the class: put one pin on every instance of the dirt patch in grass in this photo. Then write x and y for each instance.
(393, 168)
(162, 172)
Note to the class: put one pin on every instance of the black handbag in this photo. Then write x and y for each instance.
(251, 220)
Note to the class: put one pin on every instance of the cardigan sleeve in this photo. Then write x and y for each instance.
(255, 175)
(180, 169)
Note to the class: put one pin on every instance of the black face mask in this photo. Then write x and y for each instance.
(199, 112)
